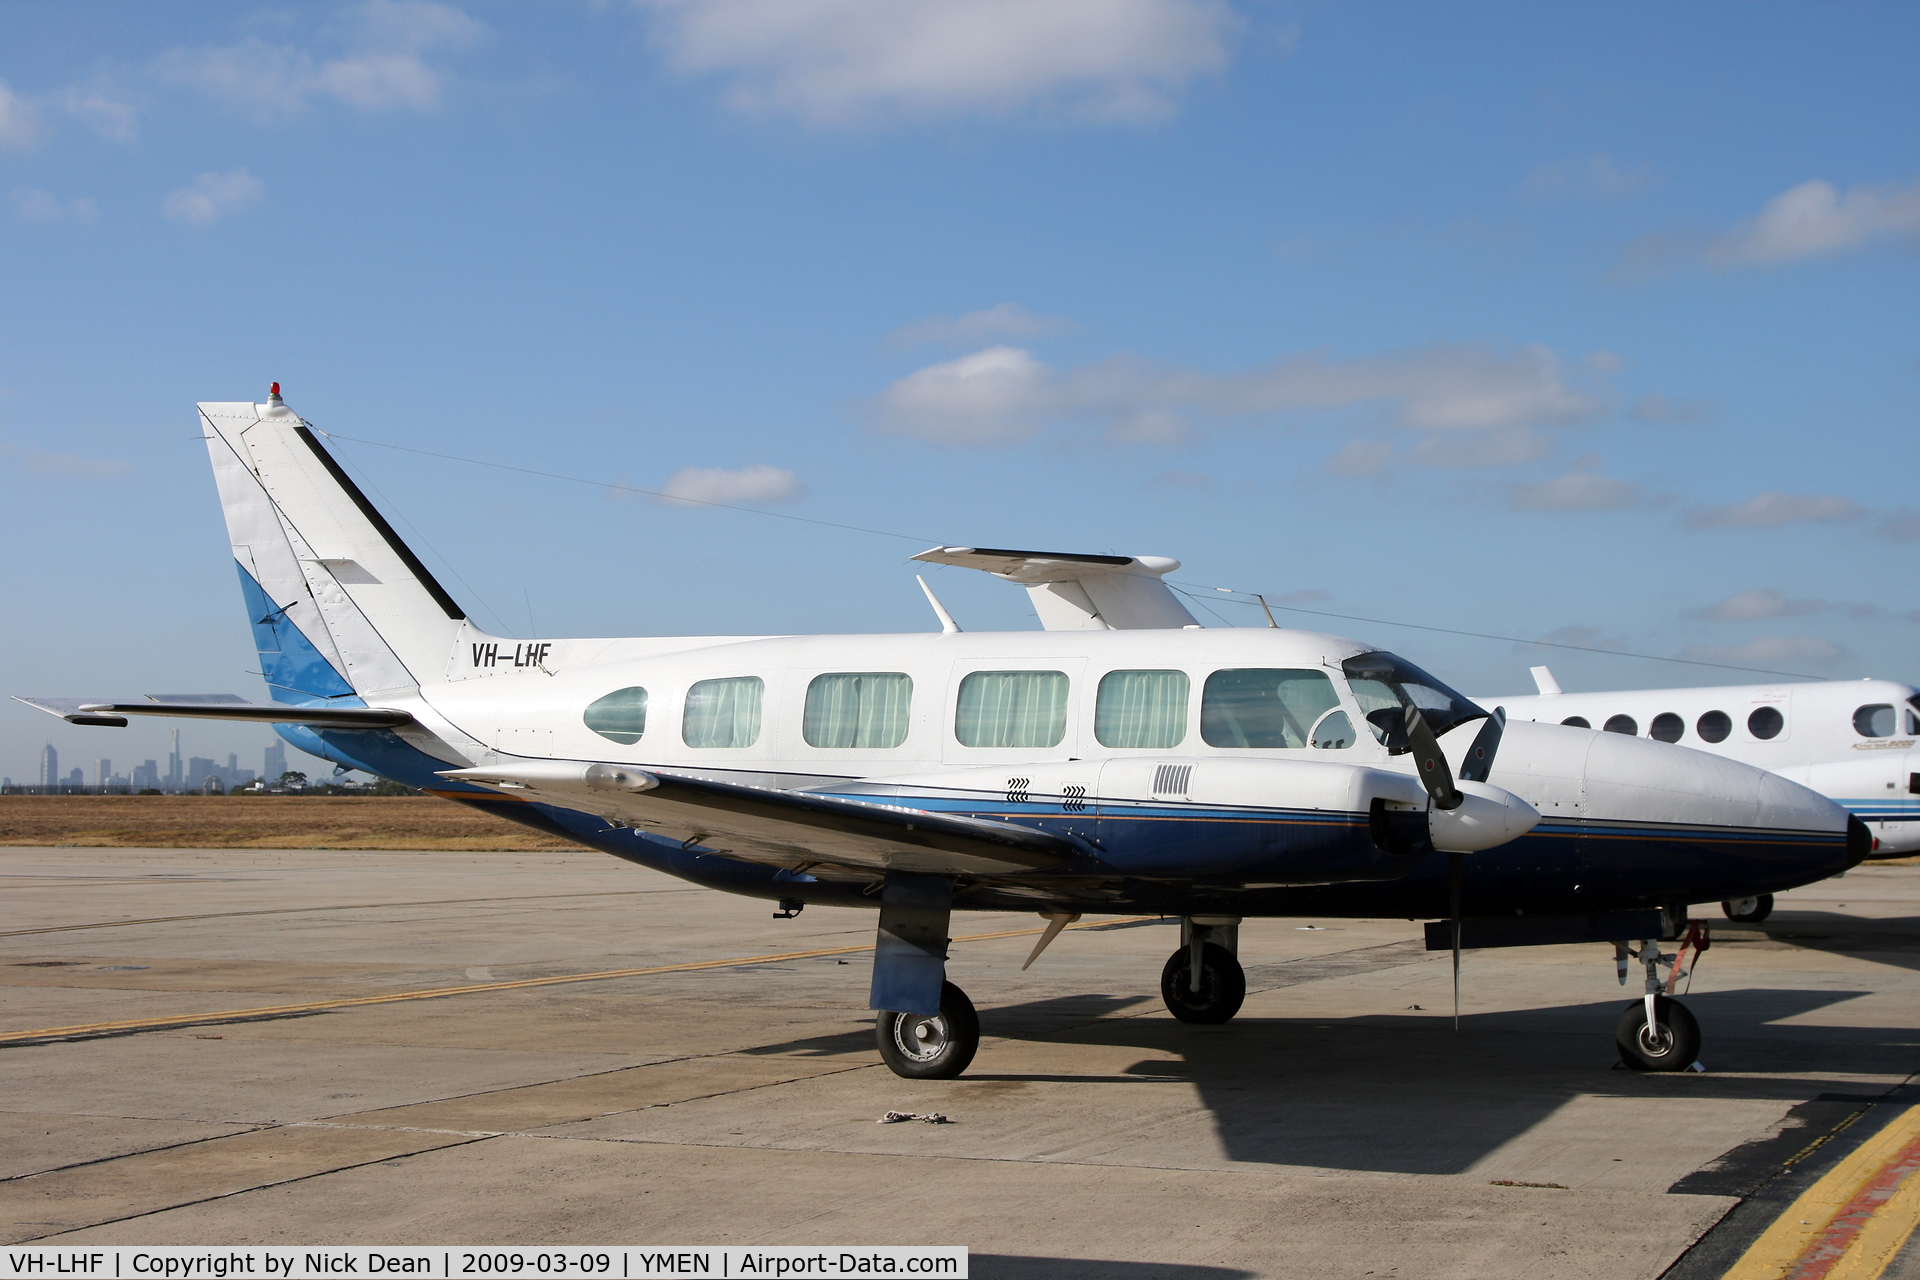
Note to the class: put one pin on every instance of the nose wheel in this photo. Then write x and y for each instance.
(1671, 1042)
(930, 1048)
(1211, 996)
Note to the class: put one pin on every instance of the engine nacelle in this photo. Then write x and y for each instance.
(1487, 816)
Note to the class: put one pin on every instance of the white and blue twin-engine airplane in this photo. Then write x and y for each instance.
(1122, 760)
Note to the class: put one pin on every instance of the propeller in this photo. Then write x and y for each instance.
(1431, 765)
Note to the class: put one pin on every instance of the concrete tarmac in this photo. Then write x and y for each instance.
(1339, 1127)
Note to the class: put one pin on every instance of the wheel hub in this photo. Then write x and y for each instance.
(921, 1039)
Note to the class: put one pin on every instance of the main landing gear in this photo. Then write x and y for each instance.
(1749, 910)
(935, 1048)
(1203, 981)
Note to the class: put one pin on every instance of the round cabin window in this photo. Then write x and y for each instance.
(1578, 722)
(1714, 726)
(1622, 724)
(1766, 722)
(1667, 727)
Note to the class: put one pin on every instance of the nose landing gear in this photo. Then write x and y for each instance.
(1657, 1032)
(1749, 910)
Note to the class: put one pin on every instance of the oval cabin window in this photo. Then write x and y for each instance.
(621, 716)
(1874, 721)
(1714, 726)
(1577, 722)
(1622, 724)
(1766, 722)
(1667, 727)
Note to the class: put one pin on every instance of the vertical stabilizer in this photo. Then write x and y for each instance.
(339, 604)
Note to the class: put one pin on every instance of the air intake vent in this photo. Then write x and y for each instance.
(1172, 779)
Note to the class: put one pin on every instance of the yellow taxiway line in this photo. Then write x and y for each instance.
(1851, 1223)
(351, 1002)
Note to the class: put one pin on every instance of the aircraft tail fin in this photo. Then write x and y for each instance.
(340, 605)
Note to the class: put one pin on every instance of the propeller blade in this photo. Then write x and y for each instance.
(1479, 762)
(1430, 762)
(1456, 872)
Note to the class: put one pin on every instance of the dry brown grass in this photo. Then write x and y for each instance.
(260, 822)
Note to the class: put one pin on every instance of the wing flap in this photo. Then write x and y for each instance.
(779, 828)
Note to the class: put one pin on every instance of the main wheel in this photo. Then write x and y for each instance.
(1749, 910)
(1672, 1044)
(1223, 984)
(936, 1048)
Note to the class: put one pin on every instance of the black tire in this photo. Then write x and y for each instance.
(936, 1048)
(1762, 908)
(1223, 985)
(1675, 1047)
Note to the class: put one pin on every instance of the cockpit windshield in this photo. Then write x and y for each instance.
(1385, 686)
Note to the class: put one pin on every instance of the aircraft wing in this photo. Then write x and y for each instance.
(1074, 592)
(217, 706)
(793, 829)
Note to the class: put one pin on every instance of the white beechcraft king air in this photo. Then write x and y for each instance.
(1122, 760)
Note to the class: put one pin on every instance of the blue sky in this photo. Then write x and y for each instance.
(1553, 322)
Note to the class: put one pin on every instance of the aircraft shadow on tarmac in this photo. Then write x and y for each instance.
(1894, 941)
(1407, 1094)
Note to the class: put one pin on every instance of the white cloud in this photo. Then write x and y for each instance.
(1002, 320)
(837, 62)
(213, 196)
(383, 71)
(1770, 649)
(19, 122)
(1814, 219)
(1585, 488)
(44, 206)
(1655, 407)
(1595, 175)
(996, 396)
(1749, 606)
(1900, 526)
(1765, 510)
(65, 464)
(106, 115)
(755, 486)
(1361, 458)
(1489, 401)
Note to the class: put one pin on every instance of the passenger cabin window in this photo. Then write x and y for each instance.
(620, 716)
(1622, 724)
(1260, 707)
(1141, 709)
(1578, 722)
(1876, 721)
(1011, 709)
(1714, 726)
(1667, 727)
(723, 713)
(857, 709)
(1766, 722)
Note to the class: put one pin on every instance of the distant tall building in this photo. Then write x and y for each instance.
(146, 775)
(49, 767)
(77, 778)
(199, 769)
(102, 773)
(174, 762)
(276, 761)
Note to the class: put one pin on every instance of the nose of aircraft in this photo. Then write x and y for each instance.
(1673, 815)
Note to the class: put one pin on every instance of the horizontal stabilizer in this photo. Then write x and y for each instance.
(219, 706)
(1074, 592)
(790, 829)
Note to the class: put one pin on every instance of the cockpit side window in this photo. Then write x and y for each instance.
(1913, 716)
(1385, 685)
(1875, 720)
